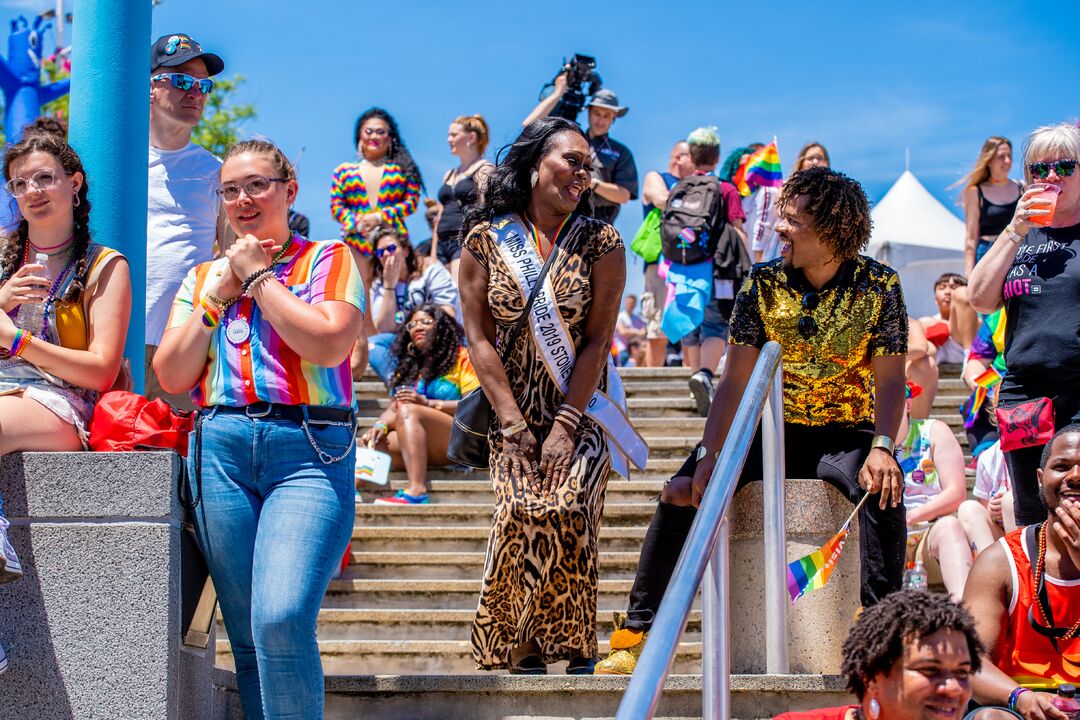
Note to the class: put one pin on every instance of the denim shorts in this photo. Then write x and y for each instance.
(714, 325)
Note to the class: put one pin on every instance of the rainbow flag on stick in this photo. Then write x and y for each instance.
(762, 169)
(983, 385)
(812, 571)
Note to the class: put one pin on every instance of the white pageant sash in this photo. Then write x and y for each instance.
(552, 338)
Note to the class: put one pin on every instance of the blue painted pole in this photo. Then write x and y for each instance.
(110, 129)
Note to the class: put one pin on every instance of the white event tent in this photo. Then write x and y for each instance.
(918, 237)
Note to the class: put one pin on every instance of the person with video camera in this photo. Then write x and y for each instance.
(615, 179)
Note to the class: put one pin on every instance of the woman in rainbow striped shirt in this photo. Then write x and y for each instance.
(261, 339)
(385, 164)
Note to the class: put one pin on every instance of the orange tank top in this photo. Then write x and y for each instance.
(1023, 653)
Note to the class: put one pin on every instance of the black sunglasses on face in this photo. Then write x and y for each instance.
(808, 326)
(1062, 168)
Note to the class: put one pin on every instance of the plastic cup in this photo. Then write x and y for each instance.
(403, 388)
(1045, 199)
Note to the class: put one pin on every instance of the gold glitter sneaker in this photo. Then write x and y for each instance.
(626, 647)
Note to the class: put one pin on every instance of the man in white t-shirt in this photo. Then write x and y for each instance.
(183, 208)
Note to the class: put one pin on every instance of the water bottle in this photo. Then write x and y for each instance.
(31, 316)
(915, 576)
(1066, 702)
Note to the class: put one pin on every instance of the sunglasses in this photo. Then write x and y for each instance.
(419, 322)
(1062, 168)
(184, 82)
(254, 187)
(808, 326)
(386, 250)
(42, 180)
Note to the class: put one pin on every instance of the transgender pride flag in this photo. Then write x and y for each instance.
(762, 169)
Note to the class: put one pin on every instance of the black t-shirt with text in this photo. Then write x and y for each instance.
(615, 164)
(1042, 308)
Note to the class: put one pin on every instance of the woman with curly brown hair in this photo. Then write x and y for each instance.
(433, 373)
(66, 301)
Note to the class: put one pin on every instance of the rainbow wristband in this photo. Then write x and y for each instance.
(1015, 695)
(21, 341)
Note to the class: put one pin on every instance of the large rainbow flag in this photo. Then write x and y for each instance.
(812, 571)
(762, 169)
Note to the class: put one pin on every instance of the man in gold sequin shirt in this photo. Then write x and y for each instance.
(842, 325)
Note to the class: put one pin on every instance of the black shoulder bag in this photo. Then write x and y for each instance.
(469, 435)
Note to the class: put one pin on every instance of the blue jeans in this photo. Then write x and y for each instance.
(273, 524)
(381, 360)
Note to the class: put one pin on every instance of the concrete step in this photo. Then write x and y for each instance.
(445, 594)
(470, 539)
(618, 490)
(399, 657)
(430, 624)
(459, 565)
(480, 514)
(500, 696)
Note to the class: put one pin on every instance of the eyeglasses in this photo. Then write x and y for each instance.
(42, 180)
(386, 250)
(184, 82)
(378, 132)
(1063, 168)
(419, 322)
(254, 187)
(808, 326)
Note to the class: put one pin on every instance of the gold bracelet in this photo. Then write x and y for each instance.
(515, 428)
(1012, 234)
(884, 442)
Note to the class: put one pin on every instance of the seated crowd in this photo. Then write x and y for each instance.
(236, 294)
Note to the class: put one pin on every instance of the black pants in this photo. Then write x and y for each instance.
(834, 454)
(1022, 463)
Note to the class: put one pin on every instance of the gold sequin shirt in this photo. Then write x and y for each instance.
(859, 315)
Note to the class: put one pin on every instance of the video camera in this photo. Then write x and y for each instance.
(580, 72)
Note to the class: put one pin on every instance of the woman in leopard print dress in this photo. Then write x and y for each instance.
(538, 602)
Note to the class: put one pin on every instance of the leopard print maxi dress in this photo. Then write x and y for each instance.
(541, 573)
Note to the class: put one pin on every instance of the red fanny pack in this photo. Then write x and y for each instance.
(124, 421)
(1028, 424)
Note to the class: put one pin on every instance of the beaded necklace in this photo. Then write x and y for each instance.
(51, 297)
(1040, 570)
(238, 330)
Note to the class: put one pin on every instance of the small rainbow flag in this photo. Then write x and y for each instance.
(812, 571)
(762, 169)
(983, 385)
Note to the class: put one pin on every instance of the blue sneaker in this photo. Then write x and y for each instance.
(10, 567)
(3, 660)
(403, 498)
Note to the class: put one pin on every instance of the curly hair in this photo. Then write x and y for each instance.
(412, 266)
(414, 365)
(836, 203)
(731, 163)
(508, 187)
(13, 246)
(877, 641)
(397, 153)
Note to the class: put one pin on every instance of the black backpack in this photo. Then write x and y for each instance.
(692, 220)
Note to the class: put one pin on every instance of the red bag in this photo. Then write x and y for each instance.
(124, 421)
(1028, 424)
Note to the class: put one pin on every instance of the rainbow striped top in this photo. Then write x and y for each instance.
(263, 367)
(398, 197)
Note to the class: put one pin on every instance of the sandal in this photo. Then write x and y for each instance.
(530, 663)
(581, 665)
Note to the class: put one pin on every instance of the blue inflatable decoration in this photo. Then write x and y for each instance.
(20, 77)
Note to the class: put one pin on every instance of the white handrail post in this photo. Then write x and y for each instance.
(773, 466)
(716, 631)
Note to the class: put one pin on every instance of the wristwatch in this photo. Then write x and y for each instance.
(1013, 235)
(884, 442)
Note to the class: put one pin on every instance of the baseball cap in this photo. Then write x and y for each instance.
(607, 99)
(177, 49)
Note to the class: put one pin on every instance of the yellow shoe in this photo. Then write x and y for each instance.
(626, 647)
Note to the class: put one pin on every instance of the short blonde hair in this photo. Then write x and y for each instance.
(1062, 138)
(475, 124)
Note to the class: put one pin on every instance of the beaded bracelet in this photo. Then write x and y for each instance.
(1015, 695)
(258, 280)
(19, 343)
(211, 313)
(246, 285)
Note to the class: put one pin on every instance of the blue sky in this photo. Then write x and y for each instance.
(865, 80)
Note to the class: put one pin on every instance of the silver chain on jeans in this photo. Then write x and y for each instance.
(325, 457)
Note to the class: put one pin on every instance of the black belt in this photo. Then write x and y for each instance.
(294, 413)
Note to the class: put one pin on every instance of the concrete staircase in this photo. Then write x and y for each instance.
(403, 609)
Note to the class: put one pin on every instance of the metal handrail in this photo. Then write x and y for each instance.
(706, 547)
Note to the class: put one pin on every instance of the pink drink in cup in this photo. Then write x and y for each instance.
(1046, 199)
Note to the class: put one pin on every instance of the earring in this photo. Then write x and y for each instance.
(412, 346)
(534, 178)
(76, 202)
(875, 709)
